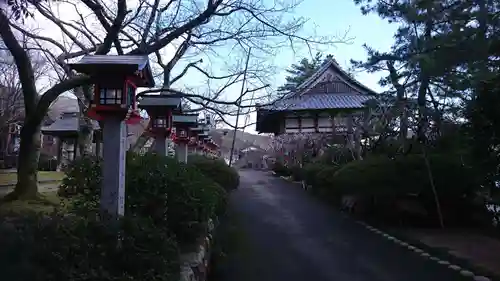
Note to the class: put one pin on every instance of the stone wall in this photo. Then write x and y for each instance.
(195, 265)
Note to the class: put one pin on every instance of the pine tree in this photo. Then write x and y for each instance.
(446, 55)
(298, 73)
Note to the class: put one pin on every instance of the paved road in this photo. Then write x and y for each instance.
(294, 237)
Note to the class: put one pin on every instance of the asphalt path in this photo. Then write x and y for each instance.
(293, 236)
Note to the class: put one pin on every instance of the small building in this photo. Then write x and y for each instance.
(251, 157)
(60, 135)
(64, 133)
(330, 101)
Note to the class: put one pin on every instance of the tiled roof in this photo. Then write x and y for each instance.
(139, 61)
(320, 101)
(68, 122)
(332, 63)
(93, 64)
(191, 119)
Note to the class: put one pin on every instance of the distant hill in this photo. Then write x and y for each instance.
(224, 138)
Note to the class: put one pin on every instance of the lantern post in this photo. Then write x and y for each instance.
(160, 109)
(193, 143)
(114, 104)
(182, 137)
(212, 148)
(203, 138)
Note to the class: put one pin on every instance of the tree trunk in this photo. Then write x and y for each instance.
(85, 135)
(400, 103)
(86, 129)
(140, 142)
(27, 166)
(59, 154)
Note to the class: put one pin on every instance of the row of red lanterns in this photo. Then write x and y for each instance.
(162, 109)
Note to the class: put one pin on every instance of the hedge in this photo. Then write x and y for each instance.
(217, 170)
(386, 180)
(280, 169)
(173, 195)
(310, 172)
(167, 207)
(56, 247)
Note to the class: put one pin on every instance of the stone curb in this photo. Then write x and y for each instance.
(464, 272)
(195, 266)
(290, 180)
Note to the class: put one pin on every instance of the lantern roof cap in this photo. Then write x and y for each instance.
(167, 92)
(106, 64)
(159, 101)
(200, 127)
(185, 118)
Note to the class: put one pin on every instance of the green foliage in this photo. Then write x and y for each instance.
(389, 179)
(296, 172)
(75, 248)
(406, 174)
(310, 172)
(324, 186)
(173, 195)
(300, 72)
(485, 129)
(217, 170)
(82, 176)
(280, 169)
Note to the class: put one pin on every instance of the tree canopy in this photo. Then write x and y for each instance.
(445, 59)
(299, 72)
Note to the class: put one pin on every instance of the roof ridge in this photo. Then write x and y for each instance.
(329, 62)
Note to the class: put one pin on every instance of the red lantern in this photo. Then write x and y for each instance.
(181, 136)
(161, 123)
(182, 124)
(193, 142)
(117, 79)
(160, 109)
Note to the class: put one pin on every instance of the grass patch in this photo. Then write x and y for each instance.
(11, 178)
(45, 203)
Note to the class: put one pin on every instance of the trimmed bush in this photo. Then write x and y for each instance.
(82, 176)
(217, 170)
(406, 174)
(310, 172)
(324, 184)
(296, 173)
(83, 249)
(387, 180)
(173, 195)
(280, 169)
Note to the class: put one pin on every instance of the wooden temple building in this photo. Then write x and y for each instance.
(64, 132)
(330, 101)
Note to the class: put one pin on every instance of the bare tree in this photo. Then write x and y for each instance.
(11, 107)
(11, 98)
(220, 29)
